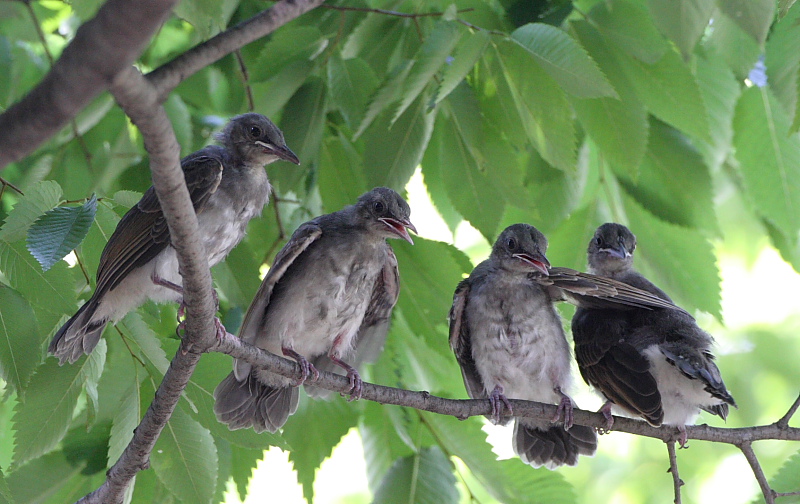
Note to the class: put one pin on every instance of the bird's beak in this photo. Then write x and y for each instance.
(399, 227)
(538, 261)
(282, 151)
(618, 252)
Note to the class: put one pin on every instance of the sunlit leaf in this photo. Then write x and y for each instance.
(753, 16)
(467, 52)
(425, 477)
(630, 27)
(683, 21)
(38, 199)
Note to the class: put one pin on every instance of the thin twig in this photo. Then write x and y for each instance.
(786, 494)
(251, 104)
(73, 123)
(784, 421)
(125, 341)
(83, 269)
(6, 183)
(750, 455)
(677, 482)
(391, 12)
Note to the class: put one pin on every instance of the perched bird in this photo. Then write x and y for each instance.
(508, 339)
(228, 187)
(656, 364)
(329, 294)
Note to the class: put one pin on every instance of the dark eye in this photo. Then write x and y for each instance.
(511, 243)
(255, 131)
(379, 207)
(598, 241)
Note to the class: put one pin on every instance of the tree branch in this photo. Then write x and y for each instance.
(167, 77)
(102, 47)
(750, 455)
(464, 408)
(784, 421)
(677, 482)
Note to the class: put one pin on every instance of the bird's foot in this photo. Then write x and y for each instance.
(565, 409)
(221, 331)
(683, 437)
(606, 412)
(498, 399)
(356, 385)
(306, 368)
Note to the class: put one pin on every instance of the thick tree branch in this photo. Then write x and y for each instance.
(166, 77)
(464, 408)
(102, 47)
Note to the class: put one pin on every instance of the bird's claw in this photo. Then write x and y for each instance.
(564, 408)
(498, 399)
(306, 368)
(356, 385)
(683, 437)
(606, 412)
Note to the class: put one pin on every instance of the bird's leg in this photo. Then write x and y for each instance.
(495, 399)
(683, 436)
(163, 282)
(356, 385)
(307, 369)
(606, 411)
(565, 408)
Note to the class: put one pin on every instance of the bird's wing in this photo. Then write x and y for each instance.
(613, 366)
(143, 233)
(592, 291)
(304, 236)
(371, 336)
(461, 342)
(697, 364)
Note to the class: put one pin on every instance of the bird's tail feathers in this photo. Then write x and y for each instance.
(79, 335)
(249, 403)
(552, 446)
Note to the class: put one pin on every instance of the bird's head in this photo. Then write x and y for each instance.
(387, 213)
(521, 247)
(611, 248)
(256, 140)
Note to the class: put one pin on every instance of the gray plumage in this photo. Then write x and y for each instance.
(227, 185)
(656, 364)
(328, 297)
(509, 341)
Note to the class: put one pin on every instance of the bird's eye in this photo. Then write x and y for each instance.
(598, 241)
(511, 243)
(255, 131)
(379, 207)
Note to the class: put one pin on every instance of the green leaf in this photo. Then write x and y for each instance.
(720, 92)
(20, 339)
(381, 442)
(682, 21)
(631, 28)
(5, 492)
(468, 188)
(542, 107)
(243, 462)
(681, 261)
(783, 60)
(38, 199)
(127, 417)
(148, 342)
(769, 158)
(50, 294)
(673, 182)
(387, 93)
(393, 151)
(425, 477)
(181, 120)
(39, 480)
(301, 43)
(318, 438)
(88, 448)
(736, 47)
(467, 53)
(105, 222)
(202, 14)
(669, 90)
(430, 58)
(351, 82)
(341, 177)
(564, 60)
(753, 16)
(60, 230)
(509, 481)
(788, 479)
(426, 286)
(185, 459)
(41, 420)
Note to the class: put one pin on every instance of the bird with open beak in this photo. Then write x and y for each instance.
(656, 364)
(509, 340)
(327, 297)
(227, 185)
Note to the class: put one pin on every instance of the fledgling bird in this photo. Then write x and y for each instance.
(228, 186)
(329, 294)
(510, 343)
(656, 364)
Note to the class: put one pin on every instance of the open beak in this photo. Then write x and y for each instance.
(283, 152)
(399, 227)
(618, 252)
(538, 261)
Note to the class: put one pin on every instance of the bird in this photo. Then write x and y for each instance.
(328, 296)
(656, 364)
(510, 343)
(228, 186)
